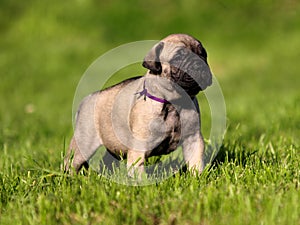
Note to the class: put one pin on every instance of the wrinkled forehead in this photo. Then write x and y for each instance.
(171, 49)
(182, 40)
(176, 38)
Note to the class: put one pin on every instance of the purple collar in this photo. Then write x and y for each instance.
(145, 93)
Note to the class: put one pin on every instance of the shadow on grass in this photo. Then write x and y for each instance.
(228, 153)
(237, 154)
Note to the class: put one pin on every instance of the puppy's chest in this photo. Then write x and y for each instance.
(170, 116)
(168, 128)
(155, 116)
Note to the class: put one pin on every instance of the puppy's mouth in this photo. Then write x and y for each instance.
(190, 71)
(188, 83)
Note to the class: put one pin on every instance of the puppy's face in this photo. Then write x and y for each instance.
(182, 59)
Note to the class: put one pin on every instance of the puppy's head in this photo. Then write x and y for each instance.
(182, 59)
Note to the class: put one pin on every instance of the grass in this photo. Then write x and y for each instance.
(253, 51)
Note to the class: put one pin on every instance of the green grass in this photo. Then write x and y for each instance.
(253, 50)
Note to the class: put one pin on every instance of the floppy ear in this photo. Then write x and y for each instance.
(197, 48)
(152, 61)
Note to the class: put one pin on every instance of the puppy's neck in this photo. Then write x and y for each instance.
(163, 88)
(145, 93)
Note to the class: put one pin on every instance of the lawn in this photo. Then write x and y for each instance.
(253, 50)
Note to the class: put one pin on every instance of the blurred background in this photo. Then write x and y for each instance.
(253, 50)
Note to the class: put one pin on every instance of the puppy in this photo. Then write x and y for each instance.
(149, 115)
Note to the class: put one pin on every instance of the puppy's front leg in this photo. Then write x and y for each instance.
(193, 152)
(135, 163)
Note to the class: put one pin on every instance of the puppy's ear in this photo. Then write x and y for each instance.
(202, 52)
(152, 61)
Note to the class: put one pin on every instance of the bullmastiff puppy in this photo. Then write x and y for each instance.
(148, 115)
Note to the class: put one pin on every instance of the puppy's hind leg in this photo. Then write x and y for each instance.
(74, 155)
(81, 150)
(86, 139)
(69, 156)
